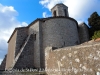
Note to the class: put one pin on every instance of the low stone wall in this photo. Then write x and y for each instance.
(22, 73)
(75, 60)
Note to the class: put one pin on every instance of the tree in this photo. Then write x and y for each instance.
(94, 22)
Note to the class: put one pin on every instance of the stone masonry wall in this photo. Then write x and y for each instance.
(3, 63)
(60, 10)
(26, 59)
(83, 33)
(11, 51)
(60, 32)
(22, 34)
(75, 60)
(35, 29)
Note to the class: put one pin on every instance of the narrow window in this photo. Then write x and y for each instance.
(65, 12)
(54, 13)
(34, 36)
(64, 43)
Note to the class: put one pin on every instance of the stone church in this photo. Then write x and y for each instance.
(26, 46)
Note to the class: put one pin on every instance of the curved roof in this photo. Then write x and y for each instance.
(58, 5)
(44, 19)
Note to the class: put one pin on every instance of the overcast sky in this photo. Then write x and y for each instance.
(17, 13)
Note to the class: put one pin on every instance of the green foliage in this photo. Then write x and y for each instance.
(94, 22)
(96, 35)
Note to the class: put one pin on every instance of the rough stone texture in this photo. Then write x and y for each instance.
(21, 73)
(56, 32)
(60, 32)
(35, 29)
(26, 59)
(42, 52)
(22, 34)
(11, 51)
(83, 32)
(3, 63)
(60, 10)
(75, 60)
(15, 44)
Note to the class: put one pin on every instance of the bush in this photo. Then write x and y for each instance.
(96, 34)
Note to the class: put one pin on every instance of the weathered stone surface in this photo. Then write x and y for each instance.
(3, 63)
(75, 60)
(22, 34)
(54, 33)
(60, 32)
(11, 51)
(15, 44)
(26, 59)
(83, 32)
(36, 29)
(21, 73)
(60, 10)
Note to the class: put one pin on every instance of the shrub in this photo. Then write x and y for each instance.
(96, 34)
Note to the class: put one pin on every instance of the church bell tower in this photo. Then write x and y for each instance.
(60, 10)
